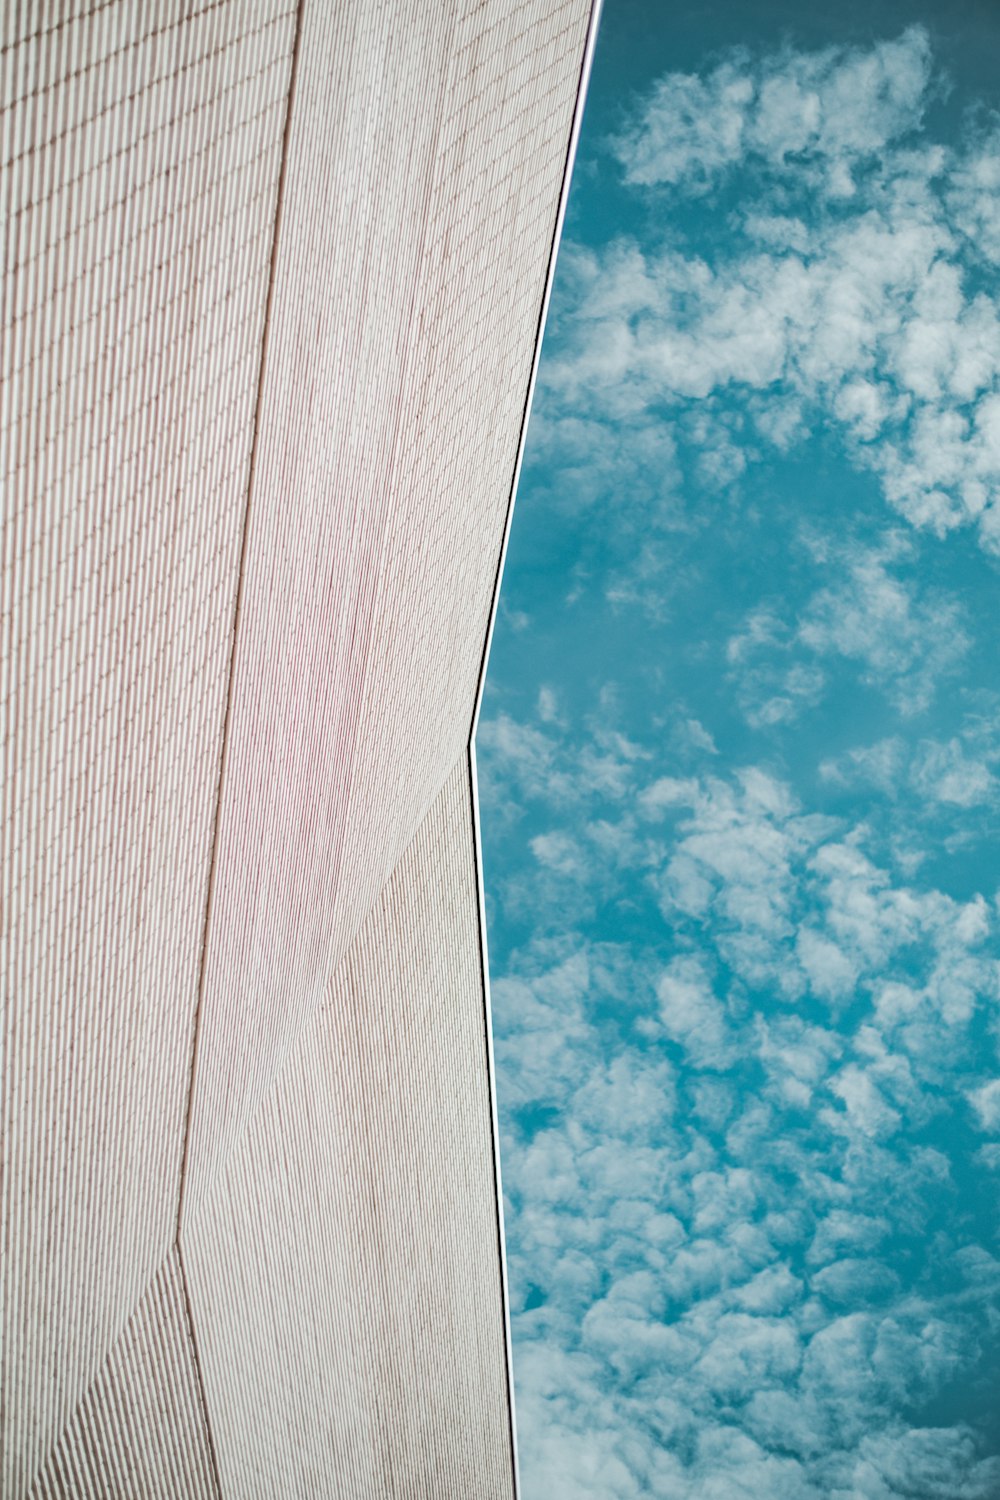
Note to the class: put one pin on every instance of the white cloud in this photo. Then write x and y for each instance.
(795, 1055)
(560, 852)
(936, 1463)
(846, 303)
(548, 705)
(840, 1230)
(545, 761)
(692, 1015)
(668, 791)
(864, 1104)
(865, 913)
(794, 908)
(974, 195)
(945, 773)
(855, 1281)
(954, 773)
(747, 1352)
(985, 1100)
(905, 640)
(628, 1095)
(824, 109)
(700, 737)
(524, 756)
(544, 1042)
(580, 462)
(831, 973)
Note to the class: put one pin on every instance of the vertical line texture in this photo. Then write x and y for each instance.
(251, 470)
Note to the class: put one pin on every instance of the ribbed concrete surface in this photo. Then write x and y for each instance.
(140, 1431)
(410, 269)
(362, 1197)
(270, 282)
(140, 151)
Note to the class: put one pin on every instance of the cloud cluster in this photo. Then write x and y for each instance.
(716, 1143)
(822, 110)
(746, 1025)
(848, 300)
(952, 774)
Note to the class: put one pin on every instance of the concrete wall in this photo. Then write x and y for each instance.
(271, 281)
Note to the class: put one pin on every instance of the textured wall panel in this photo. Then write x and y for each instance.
(140, 1431)
(426, 154)
(502, 152)
(361, 156)
(140, 149)
(346, 1293)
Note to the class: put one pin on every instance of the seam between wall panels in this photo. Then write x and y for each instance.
(543, 313)
(227, 725)
(368, 624)
(52, 1453)
(202, 1392)
(238, 609)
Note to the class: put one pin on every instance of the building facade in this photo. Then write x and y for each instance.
(272, 284)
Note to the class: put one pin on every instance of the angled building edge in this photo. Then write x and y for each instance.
(362, 1196)
(273, 281)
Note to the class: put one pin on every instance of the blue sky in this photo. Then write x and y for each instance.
(739, 766)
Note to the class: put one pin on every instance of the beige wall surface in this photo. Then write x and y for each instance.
(140, 1430)
(271, 278)
(363, 1197)
(141, 150)
(405, 311)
